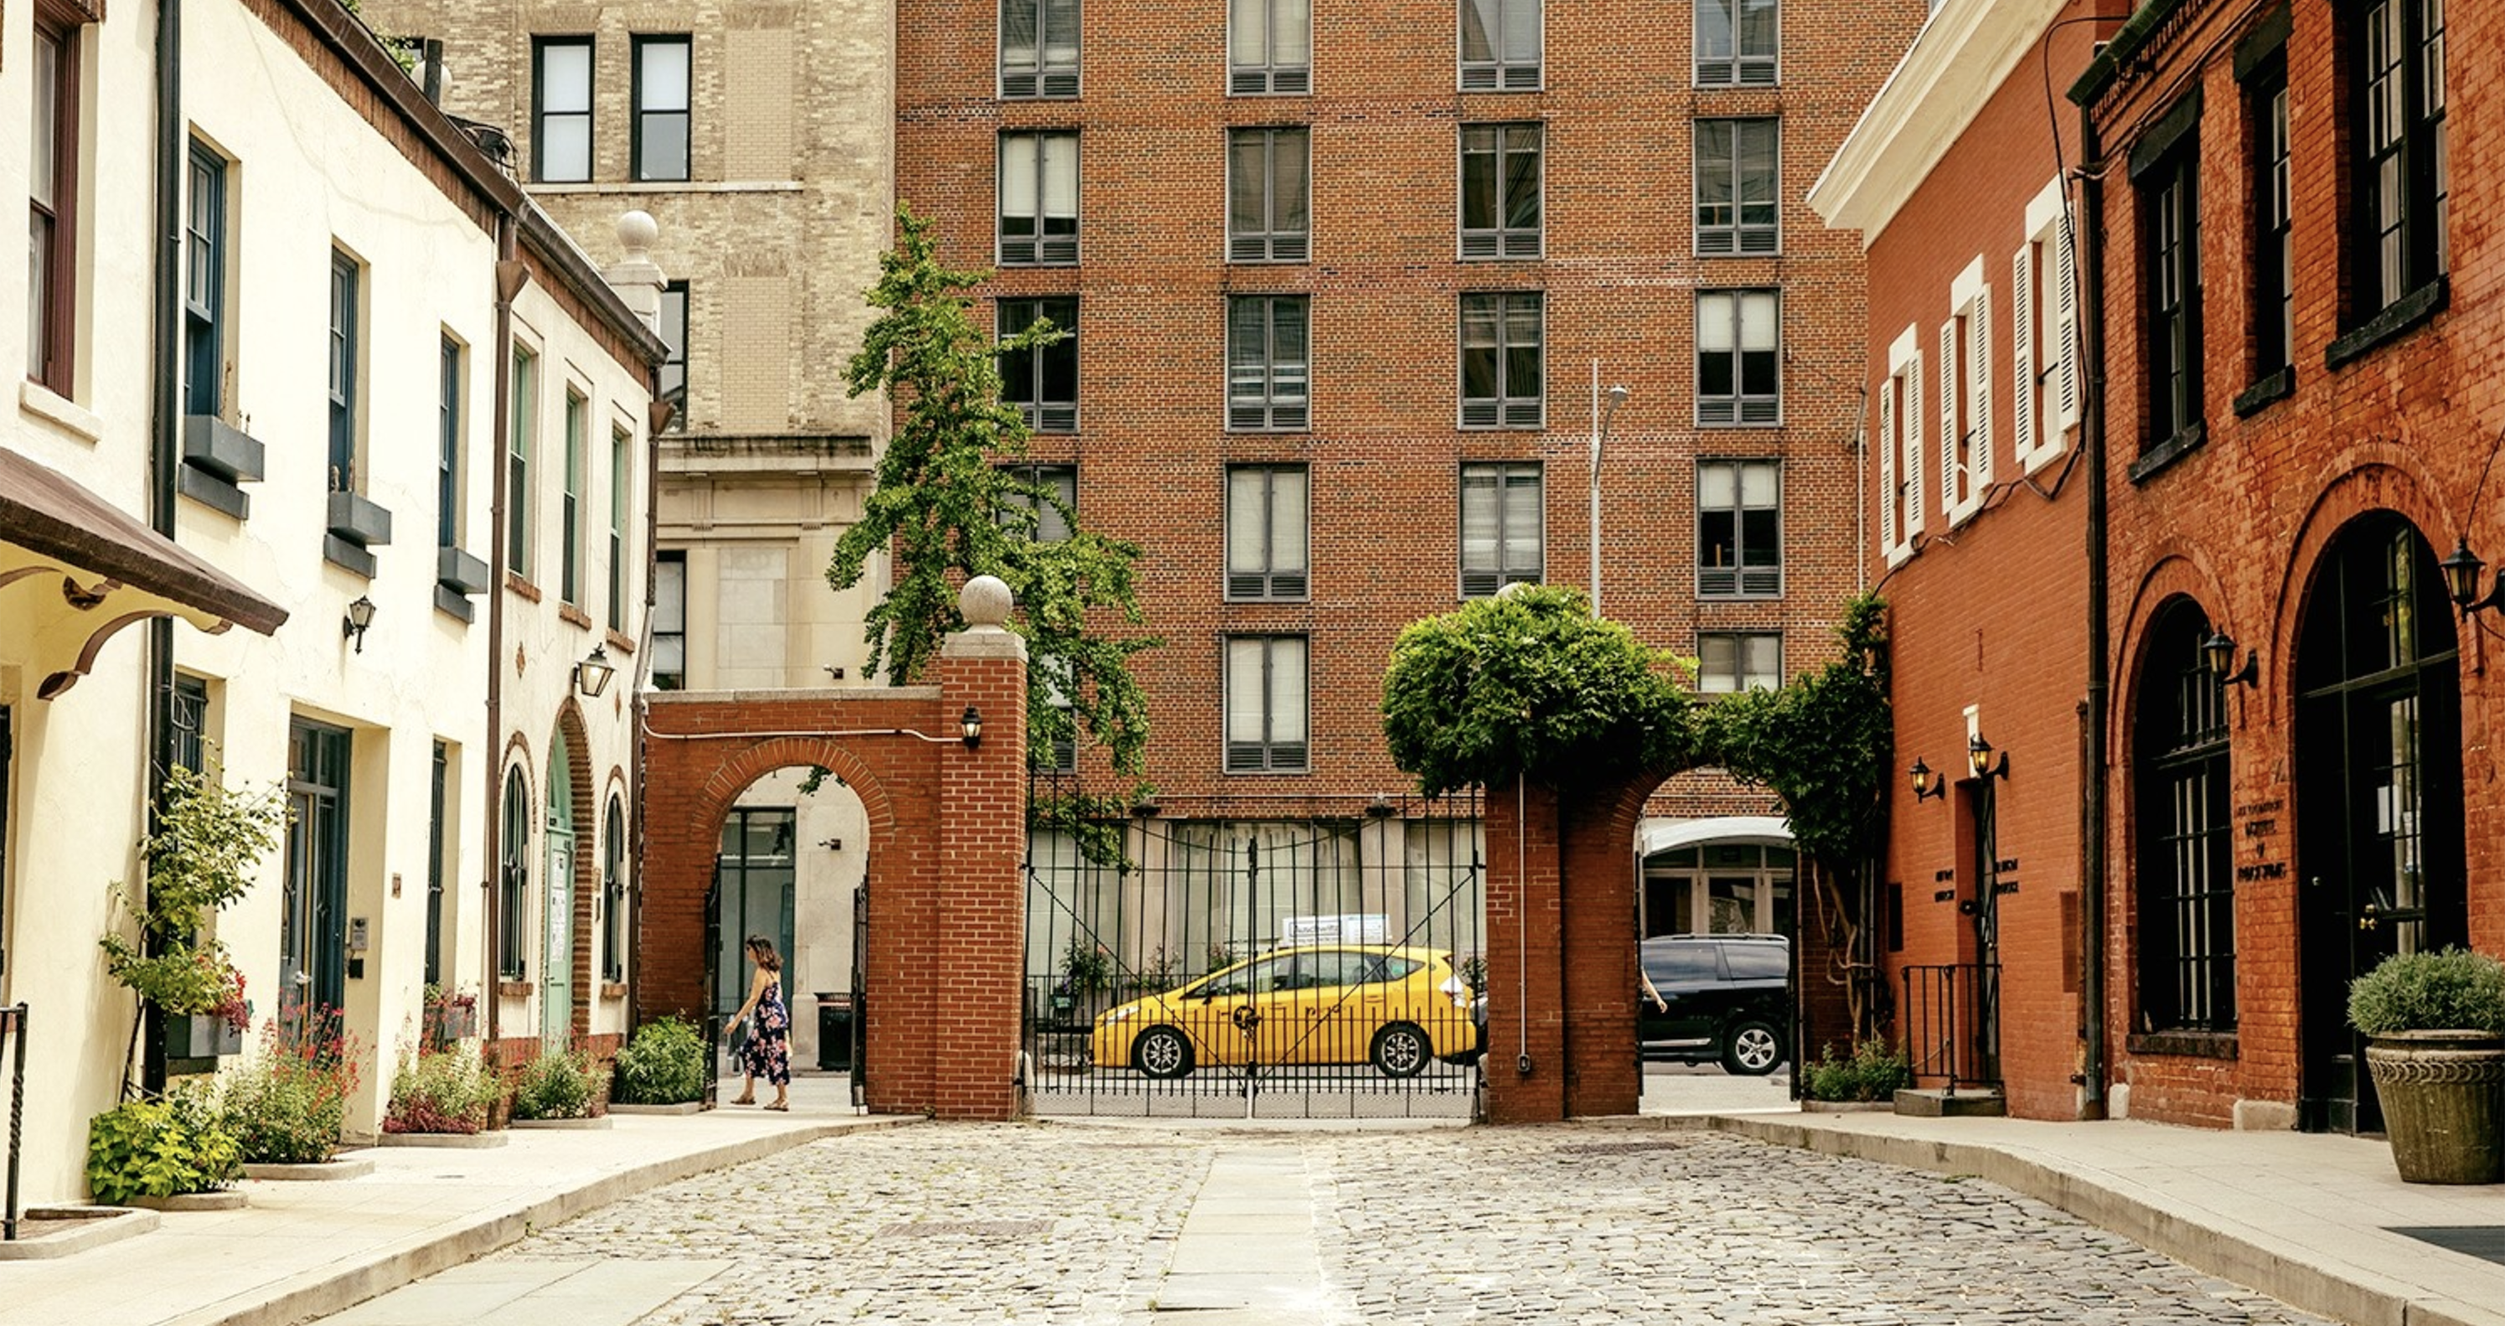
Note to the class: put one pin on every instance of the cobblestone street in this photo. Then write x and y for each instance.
(1075, 1223)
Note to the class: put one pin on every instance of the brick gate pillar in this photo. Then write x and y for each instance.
(1525, 972)
(1597, 937)
(977, 969)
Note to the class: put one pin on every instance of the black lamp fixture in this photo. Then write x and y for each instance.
(970, 723)
(1381, 806)
(2218, 654)
(2461, 580)
(360, 616)
(1926, 783)
(591, 676)
(1979, 755)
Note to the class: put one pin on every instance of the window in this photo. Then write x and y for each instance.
(1266, 514)
(2273, 274)
(2400, 185)
(1500, 527)
(438, 831)
(561, 109)
(1042, 380)
(1039, 198)
(1500, 361)
(620, 469)
(1265, 704)
(1039, 48)
(1739, 528)
(343, 373)
(1736, 42)
(674, 338)
(1267, 195)
(1269, 46)
(1900, 449)
(570, 516)
(1736, 208)
(1966, 396)
(204, 284)
(514, 878)
(191, 723)
(2044, 303)
(1738, 351)
(613, 892)
(52, 206)
(1500, 191)
(1265, 362)
(661, 102)
(1500, 44)
(1042, 501)
(1055, 745)
(2186, 876)
(1738, 661)
(518, 462)
(448, 444)
(2170, 257)
(669, 620)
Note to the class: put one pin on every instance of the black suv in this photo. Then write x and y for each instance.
(1729, 999)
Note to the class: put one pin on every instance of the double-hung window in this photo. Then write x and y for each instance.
(2272, 272)
(570, 565)
(669, 620)
(1041, 501)
(1500, 190)
(1265, 362)
(1265, 704)
(52, 204)
(1736, 206)
(2044, 309)
(1739, 528)
(561, 109)
(1500, 45)
(661, 107)
(1739, 344)
(343, 373)
(1054, 749)
(2402, 175)
(1736, 42)
(1039, 48)
(674, 340)
(1268, 195)
(448, 444)
(1733, 661)
(1266, 540)
(204, 284)
(519, 437)
(2170, 263)
(620, 470)
(1500, 360)
(1966, 396)
(1039, 198)
(1900, 449)
(1500, 527)
(1042, 380)
(1269, 46)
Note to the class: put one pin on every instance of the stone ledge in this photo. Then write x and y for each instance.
(461, 1141)
(684, 1108)
(353, 1168)
(228, 1200)
(84, 1227)
(1930, 1103)
(570, 1125)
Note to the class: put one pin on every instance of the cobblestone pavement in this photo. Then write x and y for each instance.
(1071, 1223)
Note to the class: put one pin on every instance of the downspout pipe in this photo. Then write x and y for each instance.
(165, 441)
(511, 276)
(2094, 805)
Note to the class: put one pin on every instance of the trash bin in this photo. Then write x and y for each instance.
(835, 1033)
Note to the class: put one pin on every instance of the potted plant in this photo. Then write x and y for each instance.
(288, 1104)
(558, 1085)
(442, 1091)
(200, 859)
(151, 1151)
(451, 1014)
(2435, 1024)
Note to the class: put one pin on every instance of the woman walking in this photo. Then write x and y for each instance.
(768, 1051)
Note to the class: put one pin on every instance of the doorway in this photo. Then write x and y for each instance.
(556, 984)
(2378, 807)
(754, 895)
(312, 950)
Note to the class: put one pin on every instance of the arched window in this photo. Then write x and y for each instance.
(613, 891)
(2186, 873)
(513, 877)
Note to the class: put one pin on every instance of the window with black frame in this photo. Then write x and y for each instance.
(2170, 249)
(1042, 380)
(613, 892)
(2186, 873)
(204, 283)
(513, 879)
(662, 102)
(2273, 268)
(561, 70)
(2401, 175)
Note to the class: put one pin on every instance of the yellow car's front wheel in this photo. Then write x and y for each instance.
(1162, 1052)
(1401, 1050)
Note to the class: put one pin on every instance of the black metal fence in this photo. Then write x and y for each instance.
(1314, 965)
(1951, 1020)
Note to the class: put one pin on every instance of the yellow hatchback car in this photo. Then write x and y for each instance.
(1395, 1008)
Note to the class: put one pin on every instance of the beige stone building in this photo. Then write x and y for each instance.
(760, 136)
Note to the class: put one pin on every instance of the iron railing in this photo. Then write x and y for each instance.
(1951, 1022)
(13, 1026)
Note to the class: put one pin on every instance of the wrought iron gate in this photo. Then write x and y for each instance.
(1307, 965)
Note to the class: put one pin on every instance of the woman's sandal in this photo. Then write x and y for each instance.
(744, 1100)
(779, 1105)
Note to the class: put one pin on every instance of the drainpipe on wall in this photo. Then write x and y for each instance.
(511, 276)
(164, 444)
(2094, 808)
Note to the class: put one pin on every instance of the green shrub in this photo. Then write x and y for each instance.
(559, 1085)
(663, 1065)
(1874, 1072)
(2446, 990)
(287, 1104)
(159, 1148)
(442, 1091)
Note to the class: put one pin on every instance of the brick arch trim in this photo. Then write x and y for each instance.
(2176, 575)
(2363, 479)
(740, 770)
(585, 862)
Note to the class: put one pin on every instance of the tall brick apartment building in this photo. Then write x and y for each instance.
(1348, 282)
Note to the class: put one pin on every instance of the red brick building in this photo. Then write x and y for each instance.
(1347, 280)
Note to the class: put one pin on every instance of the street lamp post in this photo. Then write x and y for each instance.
(1600, 436)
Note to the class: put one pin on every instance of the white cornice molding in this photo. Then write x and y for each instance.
(1961, 56)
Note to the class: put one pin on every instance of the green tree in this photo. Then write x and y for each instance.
(947, 509)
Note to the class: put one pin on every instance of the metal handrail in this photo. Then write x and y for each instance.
(13, 1025)
(1951, 1024)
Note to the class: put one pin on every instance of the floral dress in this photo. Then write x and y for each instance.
(768, 1051)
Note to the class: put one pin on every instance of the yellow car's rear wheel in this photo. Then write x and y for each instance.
(1401, 1050)
(1162, 1052)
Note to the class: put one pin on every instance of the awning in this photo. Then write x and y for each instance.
(75, 569)
(1665, 835)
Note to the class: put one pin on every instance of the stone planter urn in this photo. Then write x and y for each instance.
(2443, 1095)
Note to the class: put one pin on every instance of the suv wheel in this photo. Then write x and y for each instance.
(1752, 1049)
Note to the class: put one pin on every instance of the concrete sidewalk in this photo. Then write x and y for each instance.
(2309, 1219)
(300, 1250)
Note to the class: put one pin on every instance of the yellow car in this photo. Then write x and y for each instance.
(1395, 1008)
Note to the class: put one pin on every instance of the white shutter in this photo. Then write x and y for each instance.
(2022, 403)
(1888, 443)
(1912, 422)
(1952, 384)
(1979, 372)
(2066, 321)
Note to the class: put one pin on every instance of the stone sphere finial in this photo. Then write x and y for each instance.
(984, 601)
(637, 233)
